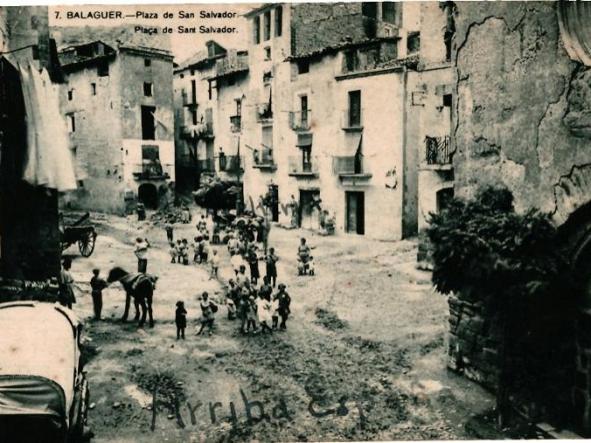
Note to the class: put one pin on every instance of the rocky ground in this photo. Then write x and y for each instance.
(363, 357)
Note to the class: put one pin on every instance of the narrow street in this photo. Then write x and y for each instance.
(363, 357)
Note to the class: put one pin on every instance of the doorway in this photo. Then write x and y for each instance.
(309, 213)
(355, 208)
(148, 195)
(274, 193)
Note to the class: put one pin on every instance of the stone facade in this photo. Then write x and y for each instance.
(128, 90)
(521, 120)
(294, 134)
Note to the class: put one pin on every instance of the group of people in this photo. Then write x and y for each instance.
(247, 299)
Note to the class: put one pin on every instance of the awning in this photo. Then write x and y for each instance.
(352, 144)
(304, 140)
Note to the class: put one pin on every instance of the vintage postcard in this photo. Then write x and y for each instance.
(340, 221)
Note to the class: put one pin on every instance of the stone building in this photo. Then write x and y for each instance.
(118, 101)
(209, 88)
(318, 107)
(522, 120)
(30, 240)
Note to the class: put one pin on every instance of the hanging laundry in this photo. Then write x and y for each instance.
(49, 159)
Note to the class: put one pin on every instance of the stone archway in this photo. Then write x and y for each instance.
(148, 195)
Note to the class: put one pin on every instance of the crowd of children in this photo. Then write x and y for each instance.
(252, 302)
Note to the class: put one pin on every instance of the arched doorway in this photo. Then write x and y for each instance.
(148, 195)
(576, 238)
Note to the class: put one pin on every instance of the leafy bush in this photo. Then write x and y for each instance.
(484, 244)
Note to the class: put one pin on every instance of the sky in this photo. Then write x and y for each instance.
(183, 45)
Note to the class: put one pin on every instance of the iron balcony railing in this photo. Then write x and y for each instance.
(352, 164)
(206, 165)
(263, 158)
(230, 163)
(300, 120)
(437, 150)
(299, 165)
(236, 123)
(152, 170)
(264, 113)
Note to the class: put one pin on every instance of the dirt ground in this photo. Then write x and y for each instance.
(363, 357)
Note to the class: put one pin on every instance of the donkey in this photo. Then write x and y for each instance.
(139, 286)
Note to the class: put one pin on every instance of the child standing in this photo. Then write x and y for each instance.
(172, 252)
(208, 309)
(180, 319)
(97, 285)
(169, 231)
(215, 264)
(185, 251)
(204, 249)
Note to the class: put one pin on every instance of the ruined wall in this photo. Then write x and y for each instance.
(97, 150)
(522, 120)
(520, 100)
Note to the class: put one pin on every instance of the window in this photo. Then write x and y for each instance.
(369, 9)
(413, 42)
(102, 69)
(303, 66)
(304, 110)
(238, 106)
(147, 62)
(267, 53)
(256, 29)
(193, 92)
(194, 116)
(210, 90)
(354, 108)
(148, 89)
(182, 75)
(278, 21)
(389, 12)
(447, 98)
(70, 95)
(93, 88)
(192, 72)
(267, 26)
(71, 122)
(351, 61)
(148, 123)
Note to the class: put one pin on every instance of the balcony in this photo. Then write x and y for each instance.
(350, 169)
(437, 151)
(189, 101)
(233, 63)
(152, 170)
(263, 159)
(264, 113)
(236, 123)
(199, 131)
(300, 121)
(352, 121)
(232, 164)
(206, 165)
(298, 167)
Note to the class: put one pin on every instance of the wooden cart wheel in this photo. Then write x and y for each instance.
(86, 244)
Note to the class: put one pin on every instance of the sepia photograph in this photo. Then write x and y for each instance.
(292, 222)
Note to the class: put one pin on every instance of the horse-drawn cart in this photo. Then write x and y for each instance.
(81, 233)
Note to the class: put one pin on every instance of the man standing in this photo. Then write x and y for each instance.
(141, 252)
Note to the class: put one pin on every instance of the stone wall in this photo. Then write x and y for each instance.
(472, 347)
(522, 104)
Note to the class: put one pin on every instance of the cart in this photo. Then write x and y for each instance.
(81, 233)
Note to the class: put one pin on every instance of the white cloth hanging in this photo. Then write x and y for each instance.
(49, 159)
